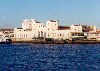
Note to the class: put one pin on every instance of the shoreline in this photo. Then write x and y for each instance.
(59, 42)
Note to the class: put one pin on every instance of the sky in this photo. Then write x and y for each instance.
(68, 12)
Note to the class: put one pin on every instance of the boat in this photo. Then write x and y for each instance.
(5, 39)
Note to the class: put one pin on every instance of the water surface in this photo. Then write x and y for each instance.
(49, 57)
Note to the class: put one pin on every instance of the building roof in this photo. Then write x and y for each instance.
(97, 32)
(37, 22)
(86, 30)
(52, 20)
(19, 28)
(77, 25)
(63, 27)
(6, 29)
(76, 32)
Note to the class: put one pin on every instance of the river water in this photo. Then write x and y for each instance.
(49, 57)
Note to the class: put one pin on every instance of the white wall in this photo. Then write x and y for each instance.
(76, 28)
(39, 30)
(52, 24)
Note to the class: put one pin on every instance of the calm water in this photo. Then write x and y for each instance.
(49, 57)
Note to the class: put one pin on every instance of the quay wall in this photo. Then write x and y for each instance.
(55, 42)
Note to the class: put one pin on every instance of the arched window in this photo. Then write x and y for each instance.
(22, 35)
(41, 34)
(44, 34)
(34, 35)
(60, 34)
(38, 34)
(26, 35)
(30, 26)
(48, 35)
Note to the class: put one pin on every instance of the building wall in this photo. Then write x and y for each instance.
(39, 30)
(27, 24)
(52, 24)
(77, 28)
(1, 33)
(93, 35)
(61, 34)
(94, 28)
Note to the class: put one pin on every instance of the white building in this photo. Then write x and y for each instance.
(76, 28)
(82, 31)
(32, 29)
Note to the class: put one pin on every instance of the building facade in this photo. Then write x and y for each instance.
(32, 29)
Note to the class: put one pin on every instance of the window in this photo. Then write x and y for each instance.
(45, 34)
(41, 34)
(22, 35)
(60, 34)
(38, 34)
(48, 35)
(26, 35)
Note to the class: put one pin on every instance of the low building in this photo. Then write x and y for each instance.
(94, 35)
(81, 31)
(7, 32)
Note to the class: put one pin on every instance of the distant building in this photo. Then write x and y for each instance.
(32, 29)
(81, 31)
(7, 32)
(93, 35)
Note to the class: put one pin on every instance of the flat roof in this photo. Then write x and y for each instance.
(63, 27)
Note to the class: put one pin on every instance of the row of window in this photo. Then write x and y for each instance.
(52, 23)
(54, 34)
(41, 34)
(24, 35)
(93, 34)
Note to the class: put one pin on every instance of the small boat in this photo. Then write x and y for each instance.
(5, 39)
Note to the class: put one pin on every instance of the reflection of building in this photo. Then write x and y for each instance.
(32, 29)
